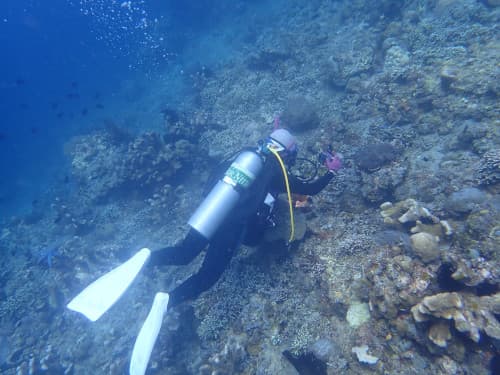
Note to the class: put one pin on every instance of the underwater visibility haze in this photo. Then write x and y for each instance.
(118, 117)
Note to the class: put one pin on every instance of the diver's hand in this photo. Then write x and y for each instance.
(333, 161)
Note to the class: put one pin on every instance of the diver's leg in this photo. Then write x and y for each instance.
(216, 261)
(181, 254)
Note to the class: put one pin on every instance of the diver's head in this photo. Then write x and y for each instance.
(287, 144)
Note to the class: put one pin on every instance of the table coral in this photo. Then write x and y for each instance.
(471, 314)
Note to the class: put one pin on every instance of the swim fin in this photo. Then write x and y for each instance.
(99, 296)
(148, 334)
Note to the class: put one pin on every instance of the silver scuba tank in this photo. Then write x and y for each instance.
(223, 197)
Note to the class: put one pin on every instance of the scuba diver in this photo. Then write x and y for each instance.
(237, 210)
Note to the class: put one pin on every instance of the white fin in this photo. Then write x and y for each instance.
(99, 296)
(147, 336)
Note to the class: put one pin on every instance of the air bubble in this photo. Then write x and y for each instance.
(126, 26)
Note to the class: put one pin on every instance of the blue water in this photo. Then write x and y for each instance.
(53, 68)
(66, 69)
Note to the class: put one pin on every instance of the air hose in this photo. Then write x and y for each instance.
(285, 175)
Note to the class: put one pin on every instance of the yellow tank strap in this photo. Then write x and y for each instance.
(290, 204)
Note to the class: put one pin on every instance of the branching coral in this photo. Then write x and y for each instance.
(146, 163)
(488, 171)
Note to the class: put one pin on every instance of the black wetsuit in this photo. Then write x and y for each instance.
(244, 224)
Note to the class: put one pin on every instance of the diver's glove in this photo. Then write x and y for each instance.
(333, 161)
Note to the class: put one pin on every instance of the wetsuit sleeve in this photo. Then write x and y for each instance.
(182, 253)
(309, 188)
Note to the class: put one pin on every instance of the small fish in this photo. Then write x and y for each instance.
(34, 130)
(3, 136)
(54, 105)
(85, 111)
(74, 84)
(97, 95)
(24, 106)
(60, 114)
(20, 82)
(99, 106)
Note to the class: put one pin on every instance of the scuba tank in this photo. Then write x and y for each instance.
(223, 197)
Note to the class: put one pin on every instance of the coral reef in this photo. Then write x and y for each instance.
(399, 284)
(475, 271)
(488, 171)
(363, 356)
(150, 161)
(373, 156)
(412, 213)
(145, 164)
(427, 230)
(379, 185)
(471, 314)
(426, 246)
(357, 314)
(94, 161)
(465, 200)
(407, 91)
(299, 115)
(230, 360)
(405, 283)
(267, 60)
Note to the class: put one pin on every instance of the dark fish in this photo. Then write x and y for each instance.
(99, 105)
(97, 95)
(3, 136)
(24, 106)
(34, 130)
(54, 105)
(73, 95)
(20, 82)
(74, 84)
(60, 115)
(85, 111)
(66, 179)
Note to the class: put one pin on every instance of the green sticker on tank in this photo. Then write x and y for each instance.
(239, 176)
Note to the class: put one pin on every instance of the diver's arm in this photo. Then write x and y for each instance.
(309, 188)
